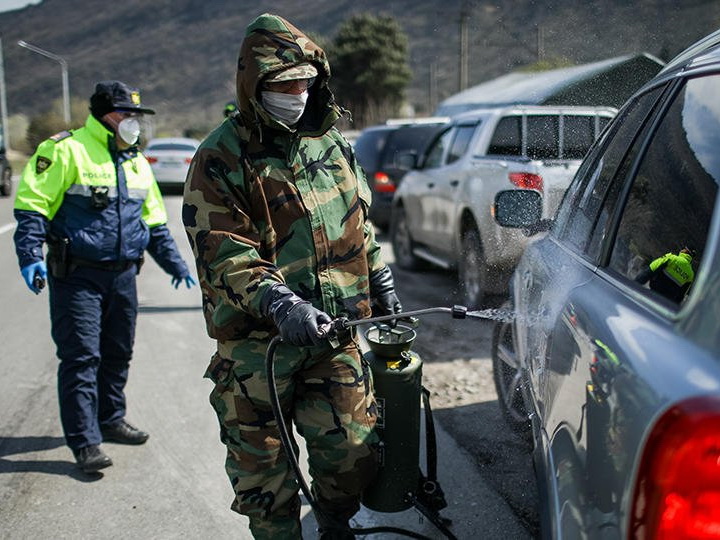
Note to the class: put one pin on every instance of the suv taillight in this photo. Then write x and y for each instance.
(677, 492)
(151, 159)
(526, 180)
(383, 184)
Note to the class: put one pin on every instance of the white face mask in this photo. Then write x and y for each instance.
(129, 130)
(287, 108)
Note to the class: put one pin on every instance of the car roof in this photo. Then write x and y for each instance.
(481, 114)
(423, 120)
(174, 140)
(397, 123)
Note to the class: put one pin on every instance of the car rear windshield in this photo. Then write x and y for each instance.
(172, 146)
(407, 139)
(368, 147)
(542, 137)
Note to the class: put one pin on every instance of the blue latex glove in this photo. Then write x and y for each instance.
(189, 281)
(35, 275)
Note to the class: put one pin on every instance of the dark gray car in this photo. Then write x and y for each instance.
(612, 362)
(377, 148)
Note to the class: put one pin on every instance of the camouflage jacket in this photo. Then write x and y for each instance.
(265, 203)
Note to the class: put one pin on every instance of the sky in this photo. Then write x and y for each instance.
(7, 5)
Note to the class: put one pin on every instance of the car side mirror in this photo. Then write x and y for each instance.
(520, 209)
(406, 161)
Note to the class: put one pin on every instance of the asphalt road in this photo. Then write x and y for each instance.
(175, 485)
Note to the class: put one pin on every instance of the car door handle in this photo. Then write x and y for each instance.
(454, 183)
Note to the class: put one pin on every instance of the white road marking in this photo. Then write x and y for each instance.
(7, 227)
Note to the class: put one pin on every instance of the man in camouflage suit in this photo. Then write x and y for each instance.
(275, 209)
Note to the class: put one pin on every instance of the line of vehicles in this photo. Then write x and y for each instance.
(434, 181)
(613, 377)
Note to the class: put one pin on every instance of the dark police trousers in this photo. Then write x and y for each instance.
(93, 313)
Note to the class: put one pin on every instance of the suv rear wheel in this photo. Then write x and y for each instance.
(472, 270)
(402, 243)
(6, 182)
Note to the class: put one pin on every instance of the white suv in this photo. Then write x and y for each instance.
(442, 210)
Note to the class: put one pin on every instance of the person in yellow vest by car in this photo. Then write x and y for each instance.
(670, 275)
(91, 196)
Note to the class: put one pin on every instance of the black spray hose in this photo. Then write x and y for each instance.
(293, 459)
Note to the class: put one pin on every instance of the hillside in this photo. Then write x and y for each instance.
(182, 53)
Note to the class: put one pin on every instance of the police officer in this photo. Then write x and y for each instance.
(92, 197)
(276, 212)
(670, 275)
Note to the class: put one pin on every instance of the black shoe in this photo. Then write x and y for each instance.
(91, 459)
(124, 433)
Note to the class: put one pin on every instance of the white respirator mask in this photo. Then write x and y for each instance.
(129, 130)
(287, 108)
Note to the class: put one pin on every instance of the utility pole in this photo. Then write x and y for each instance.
(3, 101)
(463, 78)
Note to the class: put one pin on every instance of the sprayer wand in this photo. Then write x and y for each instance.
(329, 330)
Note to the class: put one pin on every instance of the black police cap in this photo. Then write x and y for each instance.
(116, 96)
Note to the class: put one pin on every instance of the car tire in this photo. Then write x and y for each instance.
(402, 242)
(473, 275)
(508, 379)
(6, 182)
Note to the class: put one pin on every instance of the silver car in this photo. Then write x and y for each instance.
(612, 361)
(170, 159)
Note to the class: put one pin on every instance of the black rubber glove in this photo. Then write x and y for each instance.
(383, 299)
(297, 320)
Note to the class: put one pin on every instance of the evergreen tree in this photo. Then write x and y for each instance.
(369, 60)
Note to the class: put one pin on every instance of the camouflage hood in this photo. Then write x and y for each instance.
(272, 44)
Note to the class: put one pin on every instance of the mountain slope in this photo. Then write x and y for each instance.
(182, 53)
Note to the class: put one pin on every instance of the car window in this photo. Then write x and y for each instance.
(172, 146)
(578, 134)
(577, 215)
(460, 143)
(436, 151)
(368, 147)
(542, 136)
(507, 138)
(406, 139)
(665, 223)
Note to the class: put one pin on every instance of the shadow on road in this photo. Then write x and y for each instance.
(503, 458)
(27, 445)
(23, 445)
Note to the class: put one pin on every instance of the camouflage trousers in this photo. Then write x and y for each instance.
(328, 396)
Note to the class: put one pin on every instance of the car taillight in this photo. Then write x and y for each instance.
(383, 184)
(526, 180)
(151, 160)
(188, 160)
(677, 492)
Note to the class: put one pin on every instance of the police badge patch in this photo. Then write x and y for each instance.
(42, 164)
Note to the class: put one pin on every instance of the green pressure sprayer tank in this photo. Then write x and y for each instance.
(397, 375)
